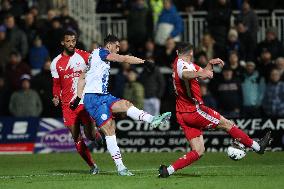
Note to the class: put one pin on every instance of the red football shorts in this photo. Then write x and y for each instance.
(193, 123)
(73, 117)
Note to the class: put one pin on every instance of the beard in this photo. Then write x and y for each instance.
(69, 52)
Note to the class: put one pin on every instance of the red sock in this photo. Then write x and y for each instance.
(238, 134)
(186, 160)
(84, 152)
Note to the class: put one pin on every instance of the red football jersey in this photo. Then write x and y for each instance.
(67, 70)
(187, 91)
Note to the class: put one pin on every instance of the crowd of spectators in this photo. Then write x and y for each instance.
(250, 85)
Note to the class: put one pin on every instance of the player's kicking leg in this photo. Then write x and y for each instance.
(197, 146)
(82, 149)
(140, 115)
(109, 130)
(236, 133)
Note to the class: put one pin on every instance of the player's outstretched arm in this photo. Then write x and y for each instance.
(201, 73)
(124, 58)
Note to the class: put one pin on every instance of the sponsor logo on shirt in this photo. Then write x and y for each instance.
(72, 75)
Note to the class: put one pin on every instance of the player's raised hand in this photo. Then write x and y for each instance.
(55, 100)
(133, 60)
(216, 61)
(204, 74)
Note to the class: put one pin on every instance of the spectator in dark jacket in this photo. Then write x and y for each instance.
(45, 25)
(229, 94)
(67, 21)
(192, 5)
(6, 8)
(5, 49)
(42, 83)
(16, 37)
(169, 24)
(250, 21)
(110, 6)
(167, 54)
(271, 43)
(139, 25)
(29, 27)
(246, 42)
(154, 85)
(218, 19)
(265, 64)
(207, 98)
(15, 69)
(53, 38)
(234, 64)
(273, 101)
(150, 50)
(4, 96)
(120, 79)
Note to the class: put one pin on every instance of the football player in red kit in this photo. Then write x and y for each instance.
(66, 69)
(193, 116)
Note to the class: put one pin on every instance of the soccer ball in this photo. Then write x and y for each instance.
(236, 152)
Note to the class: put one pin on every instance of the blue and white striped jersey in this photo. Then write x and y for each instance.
(97, 74)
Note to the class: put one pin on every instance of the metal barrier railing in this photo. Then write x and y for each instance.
(96, 26)
(84, 13)
(195, 24)
(277, 17)
(59, 3)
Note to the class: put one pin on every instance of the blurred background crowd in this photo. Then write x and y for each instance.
(250, 85)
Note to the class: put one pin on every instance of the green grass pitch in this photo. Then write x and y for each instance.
(214, 171)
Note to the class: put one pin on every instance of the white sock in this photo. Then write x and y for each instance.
(255, 146)
(170, 169)
(114, 151)
(139, 115)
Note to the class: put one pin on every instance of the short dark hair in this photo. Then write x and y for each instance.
(14, 52)
(110, 39)
(68, 32)
(9, 15)
(233, 52)
(183, 47)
